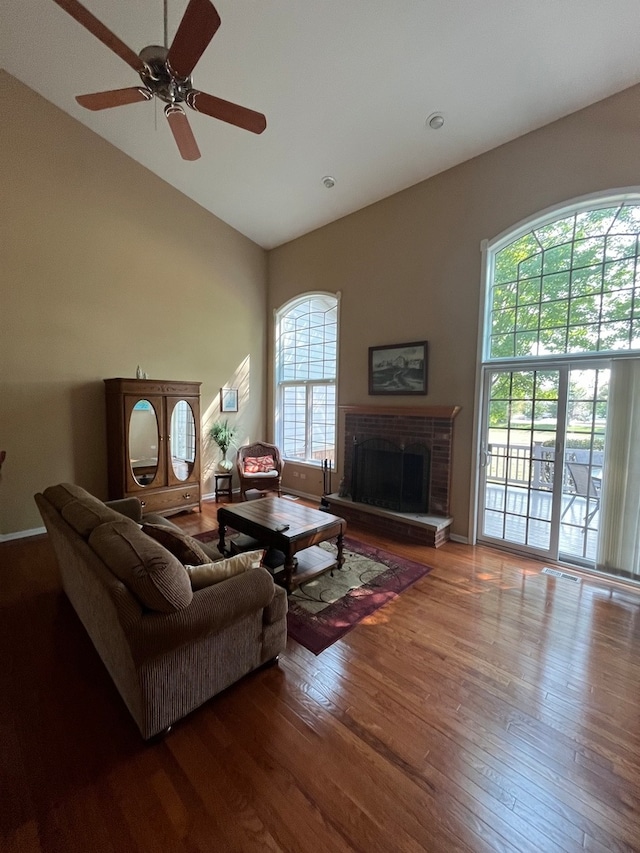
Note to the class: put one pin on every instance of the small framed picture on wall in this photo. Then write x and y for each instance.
(228, 399)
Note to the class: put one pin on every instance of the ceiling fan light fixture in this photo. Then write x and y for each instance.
(435, 121)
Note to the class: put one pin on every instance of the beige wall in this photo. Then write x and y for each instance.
(409, 267)
(96, 277)
(103, 266)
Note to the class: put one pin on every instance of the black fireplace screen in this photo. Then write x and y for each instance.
(390, 475)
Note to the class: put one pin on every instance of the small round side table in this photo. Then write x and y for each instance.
(222, 486)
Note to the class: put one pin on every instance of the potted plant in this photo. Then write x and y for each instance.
(222, 433)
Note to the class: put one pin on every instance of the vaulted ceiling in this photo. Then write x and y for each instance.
(346, 86)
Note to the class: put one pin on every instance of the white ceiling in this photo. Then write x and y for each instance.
(346, 86)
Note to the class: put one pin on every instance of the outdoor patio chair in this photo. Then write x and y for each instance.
(586, 486)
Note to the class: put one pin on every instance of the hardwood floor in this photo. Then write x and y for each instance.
(488, 708)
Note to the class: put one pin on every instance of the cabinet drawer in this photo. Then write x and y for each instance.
(168, 500)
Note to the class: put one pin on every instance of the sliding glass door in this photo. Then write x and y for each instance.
(542, 460)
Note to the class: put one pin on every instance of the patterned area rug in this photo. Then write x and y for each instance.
(325, 609)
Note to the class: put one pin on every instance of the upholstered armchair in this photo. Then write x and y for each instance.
(259, 466)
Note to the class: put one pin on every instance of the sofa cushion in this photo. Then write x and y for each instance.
(156, 578)
(181, 545)
(156, 518)
(212, 552)
(210, 573)
(64, 493)
(86, 514)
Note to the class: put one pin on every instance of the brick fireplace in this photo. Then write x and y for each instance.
(413, 433)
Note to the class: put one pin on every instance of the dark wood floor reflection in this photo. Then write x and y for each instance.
(488, 708)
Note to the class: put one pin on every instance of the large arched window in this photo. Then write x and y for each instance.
(567, 286)
(306, 334)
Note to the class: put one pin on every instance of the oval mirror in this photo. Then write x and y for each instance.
(143, 442)
(183, 440)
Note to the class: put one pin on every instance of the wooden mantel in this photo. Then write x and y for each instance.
(446, 412)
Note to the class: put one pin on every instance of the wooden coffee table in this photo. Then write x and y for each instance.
(293, 529)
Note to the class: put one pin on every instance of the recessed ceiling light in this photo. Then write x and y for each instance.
(435, 121)
(328, 181)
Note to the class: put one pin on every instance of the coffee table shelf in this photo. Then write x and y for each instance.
(312, 562)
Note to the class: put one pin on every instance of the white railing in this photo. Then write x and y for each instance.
(520, 465)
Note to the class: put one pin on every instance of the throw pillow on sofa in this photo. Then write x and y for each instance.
(181, 545)
(154, 576)
(210, 573)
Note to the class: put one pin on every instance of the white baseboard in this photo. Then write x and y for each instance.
(455, 537)
(22, 534)
(302, 494)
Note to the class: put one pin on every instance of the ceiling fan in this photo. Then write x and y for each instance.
(166, 74)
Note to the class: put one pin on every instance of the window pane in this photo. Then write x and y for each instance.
(323, 428)
(587, 297)
(294, 421)
(306, 349)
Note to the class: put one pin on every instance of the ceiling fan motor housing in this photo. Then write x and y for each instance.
(159, 78)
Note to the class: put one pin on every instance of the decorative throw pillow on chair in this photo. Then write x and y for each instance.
(258, 464)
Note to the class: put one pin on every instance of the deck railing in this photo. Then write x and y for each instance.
(522, 465)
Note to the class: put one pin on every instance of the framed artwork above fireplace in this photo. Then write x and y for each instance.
(399, 369)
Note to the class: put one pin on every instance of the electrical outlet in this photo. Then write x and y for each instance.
(303, 476)
(295, 473)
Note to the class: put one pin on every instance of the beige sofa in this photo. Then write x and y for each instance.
(167, 648)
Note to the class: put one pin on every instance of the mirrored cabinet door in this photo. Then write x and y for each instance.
(145, 434)
(183, 416)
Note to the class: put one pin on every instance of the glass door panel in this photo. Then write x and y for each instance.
(587, 401)
(517, 486)
(531, 497)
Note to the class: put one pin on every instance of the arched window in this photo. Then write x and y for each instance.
(306, 334)
(560, 384)
(570, 285)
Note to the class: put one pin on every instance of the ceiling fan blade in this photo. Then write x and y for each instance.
(97, 28)
(197, 27)
(114, 98)
(226, 111)
(182, 133)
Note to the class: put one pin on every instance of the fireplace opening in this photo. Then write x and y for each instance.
(391, 476)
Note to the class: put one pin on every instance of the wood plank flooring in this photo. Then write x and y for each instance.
(489, 708)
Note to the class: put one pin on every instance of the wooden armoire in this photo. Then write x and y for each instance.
(153, 443)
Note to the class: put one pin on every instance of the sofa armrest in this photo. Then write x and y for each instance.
(277, 610)
(211, 610)
(129, 507)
